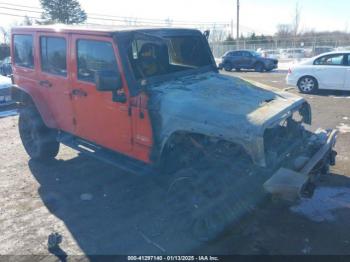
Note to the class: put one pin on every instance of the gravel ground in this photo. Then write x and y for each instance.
(97, 209)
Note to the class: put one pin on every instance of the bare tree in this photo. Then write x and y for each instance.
(4, 35)
(168, 22)
(296, 21)
(284, 31)
(27, 21)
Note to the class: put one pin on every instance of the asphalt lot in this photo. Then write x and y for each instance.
(97, 209)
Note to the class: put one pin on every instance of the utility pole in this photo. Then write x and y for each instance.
(232, 28)
(237, 39)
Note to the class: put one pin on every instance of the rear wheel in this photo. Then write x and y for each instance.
(38, 140)
(227, 67)
(307, 84)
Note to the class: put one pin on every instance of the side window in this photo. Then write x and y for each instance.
(53, 55)
(94, 56)
(336, 59)
(23, 50)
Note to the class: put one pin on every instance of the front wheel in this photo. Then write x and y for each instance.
(259, 67)
(38, 140)
(307, 84)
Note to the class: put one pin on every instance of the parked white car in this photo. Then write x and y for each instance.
(5, 85)
(274, 54)
(325, 71)
(292, 53)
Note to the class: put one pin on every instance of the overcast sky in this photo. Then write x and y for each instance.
(261, 16)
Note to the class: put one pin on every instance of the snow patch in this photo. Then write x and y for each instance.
(325, 200)
(8, 113)
(337, 97)
(5, 82)
(343, 128)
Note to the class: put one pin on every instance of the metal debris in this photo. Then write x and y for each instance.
(149, 241)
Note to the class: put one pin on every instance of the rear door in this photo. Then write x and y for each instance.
(347, 78)
(98, 118)
(247, 59)
(53, 78)
(330, 71)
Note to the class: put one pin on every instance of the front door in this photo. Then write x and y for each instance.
(330, 71)
(246, 59)
(97, 117)
(53, 79)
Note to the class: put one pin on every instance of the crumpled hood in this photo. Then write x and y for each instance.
(219, 106)
(223, 101)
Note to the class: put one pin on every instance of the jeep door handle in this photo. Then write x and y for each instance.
(79, 93)
(45, 83)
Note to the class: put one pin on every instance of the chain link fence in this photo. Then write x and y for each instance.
(284, 48)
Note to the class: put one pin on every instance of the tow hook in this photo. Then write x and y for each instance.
(308, 190)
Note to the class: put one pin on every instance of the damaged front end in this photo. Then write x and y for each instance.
(298, 155)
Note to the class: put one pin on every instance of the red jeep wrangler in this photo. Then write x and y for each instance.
(152, 99)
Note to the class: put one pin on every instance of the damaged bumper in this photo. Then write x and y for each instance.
(292, 183)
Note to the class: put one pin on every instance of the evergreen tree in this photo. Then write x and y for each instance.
(62, 11)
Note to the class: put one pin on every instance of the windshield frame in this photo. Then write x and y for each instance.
(124, 38)
(255, 54)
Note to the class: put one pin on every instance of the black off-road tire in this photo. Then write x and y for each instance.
(209, 201)
(38, 140)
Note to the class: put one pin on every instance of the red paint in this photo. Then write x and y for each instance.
(94, 117)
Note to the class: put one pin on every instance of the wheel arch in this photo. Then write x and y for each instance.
(25, 99)
(177, 136)
(308, 75)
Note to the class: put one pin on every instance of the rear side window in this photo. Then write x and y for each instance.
(336, 59)
(94, 56)
(53, 55)
(23, 50)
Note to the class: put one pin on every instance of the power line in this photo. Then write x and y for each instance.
(23, 16)
(119, 18)
(22, 10)
(137, 20)
(32, 7)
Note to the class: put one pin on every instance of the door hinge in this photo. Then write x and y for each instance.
(74, 121)
(130, 111)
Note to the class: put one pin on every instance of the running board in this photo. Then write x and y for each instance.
(120, 161)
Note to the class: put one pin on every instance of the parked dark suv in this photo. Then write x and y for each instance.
(243, 59)
(5, 67)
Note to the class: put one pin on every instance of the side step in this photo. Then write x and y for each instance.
(120, 161)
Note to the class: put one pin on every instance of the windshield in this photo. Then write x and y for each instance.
(154, 56)
(256, 53)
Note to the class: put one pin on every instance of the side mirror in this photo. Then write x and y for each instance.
(108, 80)
(206, 33)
